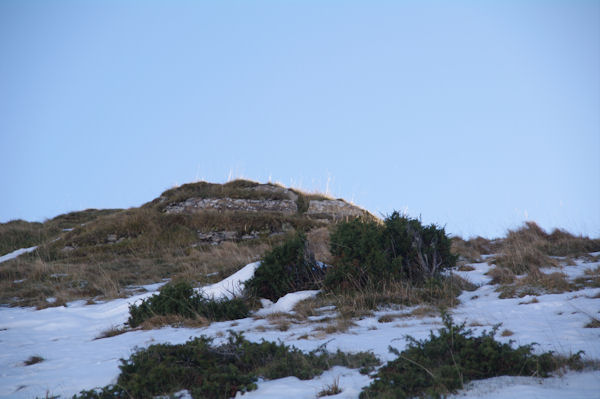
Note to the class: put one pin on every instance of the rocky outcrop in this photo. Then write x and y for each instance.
(333, 210)
(266, 198)
(218, 237)
(192, 205)
(276, 190)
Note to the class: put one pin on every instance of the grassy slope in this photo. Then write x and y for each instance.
(104, 251)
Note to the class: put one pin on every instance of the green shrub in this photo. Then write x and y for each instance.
(445, 362)
(368, 253)
(209, 371)
(180, 299)
(289, 267)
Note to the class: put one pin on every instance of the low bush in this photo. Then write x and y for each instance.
(369, 253)
(180, 299)
(287, 268)
(210, 371)
(443, 363)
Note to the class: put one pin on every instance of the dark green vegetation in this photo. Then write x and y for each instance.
(368, 253)
(443, 363)
(180, 299)
(373, 265)
(219, 371)
(287, 268)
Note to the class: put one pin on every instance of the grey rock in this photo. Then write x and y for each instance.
(333, 209)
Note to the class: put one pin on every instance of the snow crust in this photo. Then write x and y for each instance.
(286, 303)
(75, 360)
(232, 285)
(584, 385)
(16, 253)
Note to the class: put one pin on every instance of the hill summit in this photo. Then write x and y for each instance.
(194, 231)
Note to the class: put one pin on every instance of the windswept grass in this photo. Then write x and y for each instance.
(28, 282)
(526, 249)
(469, 251)
(21, 234)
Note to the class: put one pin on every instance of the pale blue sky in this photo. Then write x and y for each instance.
(474, 115)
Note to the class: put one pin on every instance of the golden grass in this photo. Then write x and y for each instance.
(173, 321)
(28, 282)
(113, 331)
(501, 275)
(17, 234)
(532, 300)
(331, 389)
(441, 294)
(339, 324)
(530, 247)
(117, 249)
(591, 278)
(470, 251)
(533, 283)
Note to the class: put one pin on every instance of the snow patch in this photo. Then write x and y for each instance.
(75, 360)
(286, 303)
(584, 385)
(232, 285)
(16, 253)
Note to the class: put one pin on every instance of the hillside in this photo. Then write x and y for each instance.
(199, 231)
(78, 347)
(257, 290)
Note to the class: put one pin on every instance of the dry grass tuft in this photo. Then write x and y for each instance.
(530, 247)
(591, 278)
(533, 300)
(594, 323)
(385, 319)
(465, 268)
(33, 360)
(423, 311)
(173, 321)
(534, 283)
(471, 250)
(340, 324)
(331, 389)
(441, 293)
(280, 320)
(553, 283)
(506, 333)
(501, 275)
(113, 331)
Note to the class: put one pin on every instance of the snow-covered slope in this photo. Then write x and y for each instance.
(65, 337)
